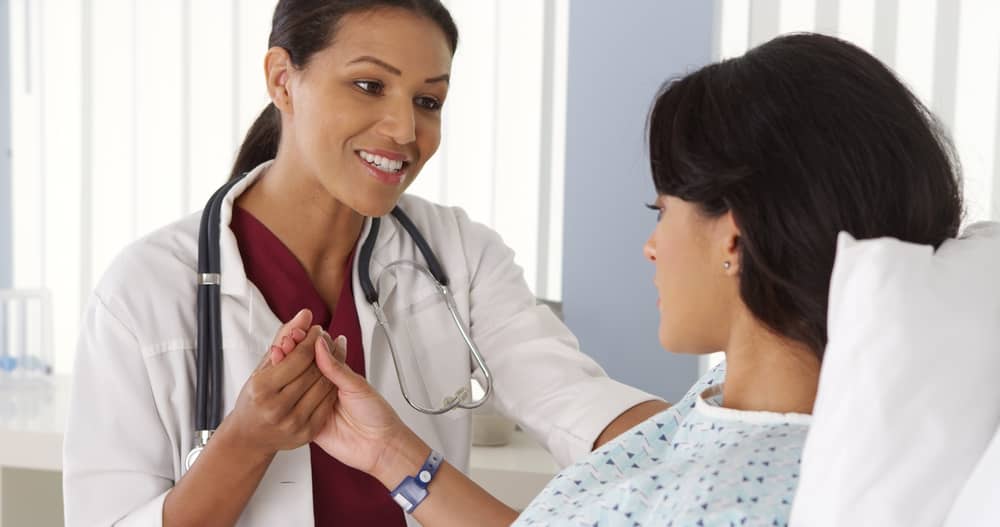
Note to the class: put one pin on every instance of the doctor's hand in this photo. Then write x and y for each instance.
(290, 335)
(283, 406)
(364, 432)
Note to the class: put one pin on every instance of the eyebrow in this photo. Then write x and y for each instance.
(396, 71)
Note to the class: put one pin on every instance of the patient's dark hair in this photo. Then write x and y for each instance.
(304, 27)
(801, 138)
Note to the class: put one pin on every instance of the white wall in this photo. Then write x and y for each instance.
(5, 216)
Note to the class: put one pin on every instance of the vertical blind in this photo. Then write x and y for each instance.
(127, 114)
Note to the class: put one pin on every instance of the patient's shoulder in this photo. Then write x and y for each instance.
(715, 376)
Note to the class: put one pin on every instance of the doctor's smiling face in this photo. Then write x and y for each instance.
(363, 114)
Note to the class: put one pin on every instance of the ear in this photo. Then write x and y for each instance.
(278, 69)
(728, 236)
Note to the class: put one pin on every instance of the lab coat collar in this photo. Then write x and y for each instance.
(233, 275)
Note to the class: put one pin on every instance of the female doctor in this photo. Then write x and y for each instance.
(357, 89)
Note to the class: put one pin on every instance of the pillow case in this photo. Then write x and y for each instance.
(908, 395)
(978, 504)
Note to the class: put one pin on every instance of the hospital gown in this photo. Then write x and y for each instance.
(695, 464)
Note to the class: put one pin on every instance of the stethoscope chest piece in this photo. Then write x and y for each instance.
(192, 457)
(203, 437)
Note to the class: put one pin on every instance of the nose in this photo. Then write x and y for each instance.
(649, 249)
(399, 122)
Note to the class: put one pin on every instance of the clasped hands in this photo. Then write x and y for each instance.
(303, 391)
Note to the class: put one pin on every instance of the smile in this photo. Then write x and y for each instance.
(386, 167)
(384, 163)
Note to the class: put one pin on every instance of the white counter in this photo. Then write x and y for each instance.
(33, 417)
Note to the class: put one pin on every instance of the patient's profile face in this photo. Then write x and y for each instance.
(696, 290)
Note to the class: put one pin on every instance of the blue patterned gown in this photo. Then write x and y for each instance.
(695, 464)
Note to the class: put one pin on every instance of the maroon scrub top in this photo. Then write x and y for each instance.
(341, 495)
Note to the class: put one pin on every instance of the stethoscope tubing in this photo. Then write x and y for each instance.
(208, 398)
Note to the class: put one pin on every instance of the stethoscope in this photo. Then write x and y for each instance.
(208, 395)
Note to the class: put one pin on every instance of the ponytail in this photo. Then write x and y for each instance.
(261, 142)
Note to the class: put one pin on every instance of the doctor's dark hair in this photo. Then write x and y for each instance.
(801, 138)
(304, 27)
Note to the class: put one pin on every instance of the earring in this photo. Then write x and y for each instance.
(726, 265)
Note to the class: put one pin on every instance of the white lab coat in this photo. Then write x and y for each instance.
(131, 419)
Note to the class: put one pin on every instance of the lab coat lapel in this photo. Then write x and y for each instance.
(234, 277)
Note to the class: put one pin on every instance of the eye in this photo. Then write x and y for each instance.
(428, 103)
(657, 208)
(371, 87)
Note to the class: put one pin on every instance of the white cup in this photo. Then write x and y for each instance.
(491, 429)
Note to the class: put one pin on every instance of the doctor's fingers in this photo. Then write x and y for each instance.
(294, 363)
(274, 402)
(290, 395)
(297, 422)
(287, 337)
(321, 414)
(290, 334)
(295, 328)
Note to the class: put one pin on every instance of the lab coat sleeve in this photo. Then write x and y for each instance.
(117, 461)
(541, 378)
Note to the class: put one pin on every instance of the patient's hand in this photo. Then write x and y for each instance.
(364, 432)
(363, 426)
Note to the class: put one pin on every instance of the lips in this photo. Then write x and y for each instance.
(387, 177)
(386, 166)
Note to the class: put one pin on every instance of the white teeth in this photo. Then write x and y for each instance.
(382, 163)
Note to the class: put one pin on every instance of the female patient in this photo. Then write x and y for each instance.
(758, 162)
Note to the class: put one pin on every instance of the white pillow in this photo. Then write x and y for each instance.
(978, 505)
(908, 394)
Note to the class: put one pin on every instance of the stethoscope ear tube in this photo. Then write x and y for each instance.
(364, 261)
(201, 358)
(216, 395)
(425, 249)
(203, 351)
(208, 394)
(365, 256)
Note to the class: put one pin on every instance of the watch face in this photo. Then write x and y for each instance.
(192, 456)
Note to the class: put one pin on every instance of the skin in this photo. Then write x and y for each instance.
(372, 90)
(701, 312)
